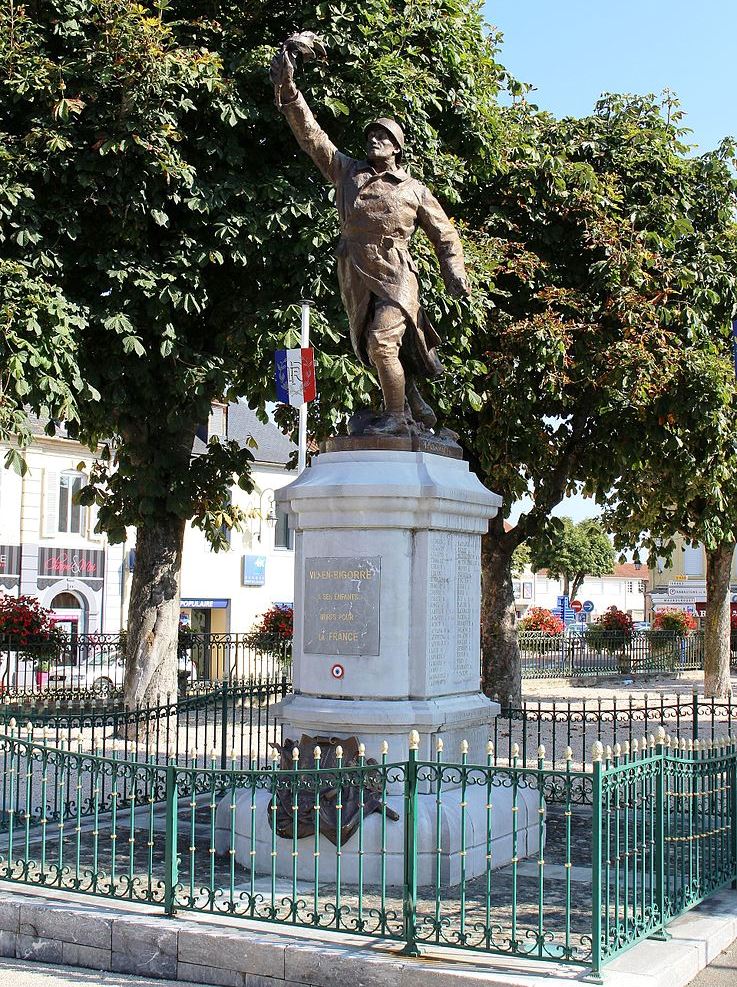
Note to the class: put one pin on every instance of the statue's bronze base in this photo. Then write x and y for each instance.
(393, 443)
(365, 432)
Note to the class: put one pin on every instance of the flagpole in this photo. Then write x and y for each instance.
(304, 343)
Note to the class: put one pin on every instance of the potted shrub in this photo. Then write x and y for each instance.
(538, 620)
(272, 634)
(612, 632)
(28, 633)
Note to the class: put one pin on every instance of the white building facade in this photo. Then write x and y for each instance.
(49, 549)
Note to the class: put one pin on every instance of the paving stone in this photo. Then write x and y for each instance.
(81, 926)
(9, 916)
(254, 980)
(332, 967)
(240, 951)
(76, 954)
(144, 947)
(212, 975)
(33, 948)
(8, 943)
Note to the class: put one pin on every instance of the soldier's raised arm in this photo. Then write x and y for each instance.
(310, 135)
(444, 238)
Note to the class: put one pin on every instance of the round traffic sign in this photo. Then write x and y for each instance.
(337, 671)
(576, 606)
(588, 606)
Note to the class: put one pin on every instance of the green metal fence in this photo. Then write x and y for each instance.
(589, 651)
(587, 863)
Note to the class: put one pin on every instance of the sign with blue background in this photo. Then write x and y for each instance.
(254, 570)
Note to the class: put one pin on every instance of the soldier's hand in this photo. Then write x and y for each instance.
(458, 287)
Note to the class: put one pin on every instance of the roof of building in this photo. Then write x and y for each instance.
(273, 446)
(626, 570)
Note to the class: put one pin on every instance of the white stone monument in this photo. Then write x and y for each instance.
(386, 641)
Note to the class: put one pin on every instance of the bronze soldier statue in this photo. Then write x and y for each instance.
(380, 206)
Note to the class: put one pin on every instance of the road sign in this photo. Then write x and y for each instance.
(564, 611)
(700, 609)
(576, 606)
(588, 606)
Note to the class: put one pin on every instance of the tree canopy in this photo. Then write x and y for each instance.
(574, 551)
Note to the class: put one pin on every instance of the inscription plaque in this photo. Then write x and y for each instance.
(341, 608)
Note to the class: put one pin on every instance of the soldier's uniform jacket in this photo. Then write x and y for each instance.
(378, 214)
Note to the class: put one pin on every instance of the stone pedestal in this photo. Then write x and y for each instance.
(387, 601)
(386, 641)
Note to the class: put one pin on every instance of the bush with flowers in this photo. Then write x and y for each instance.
(272, 633)
(26, 627)
(671, 619)
(612, 632)
(541, 621)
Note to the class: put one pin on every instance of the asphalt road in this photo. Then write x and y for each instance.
(722, 972)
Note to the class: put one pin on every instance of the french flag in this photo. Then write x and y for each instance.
(295, 376)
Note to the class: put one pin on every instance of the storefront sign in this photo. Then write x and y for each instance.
(701, 609)
(202, 604)
(78, 563)
(341, 609)
(9, 560)
(254, 570)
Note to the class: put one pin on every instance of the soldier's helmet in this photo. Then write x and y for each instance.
(391, 127)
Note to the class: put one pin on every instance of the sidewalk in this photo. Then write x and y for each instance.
(23, 973)
(721, 972)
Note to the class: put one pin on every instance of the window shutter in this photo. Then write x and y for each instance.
(92, 514)
(50, 504)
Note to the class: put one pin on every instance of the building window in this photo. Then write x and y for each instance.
(630, 586)
(71, 513)
(283, 534)
(692, 561)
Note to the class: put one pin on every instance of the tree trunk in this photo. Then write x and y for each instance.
(577, 584)
(717, 629)
(153, 614)
(566, 585)
(500, 677)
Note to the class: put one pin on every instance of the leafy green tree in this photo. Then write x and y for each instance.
(605, 264)
(38, 357)
(148, 180)
(574, 551)
(521, 559)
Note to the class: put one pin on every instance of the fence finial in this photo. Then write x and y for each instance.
(515, 750)
(597, 751)
(490, 748)
(635, 746)
(317, 753)
(464, 748)
(339, 753)
(384, 749)
(439, 744)
(362, 750)
(660, 735)
(414, 740)
(568, 754)
(541, 752)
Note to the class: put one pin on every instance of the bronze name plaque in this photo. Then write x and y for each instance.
(341, 606)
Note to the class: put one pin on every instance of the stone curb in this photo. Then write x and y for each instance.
(129, 938)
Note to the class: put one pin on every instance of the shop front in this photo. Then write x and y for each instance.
(207, 620)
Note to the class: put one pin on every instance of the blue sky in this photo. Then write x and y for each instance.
(573, 50)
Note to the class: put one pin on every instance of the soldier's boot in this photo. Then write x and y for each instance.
(421, 410)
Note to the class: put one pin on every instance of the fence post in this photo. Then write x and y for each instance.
(695, 718)
(171, 858)
(224, 726)
(596, 848)
(409, 891)
(733, 807)
(662, 933)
